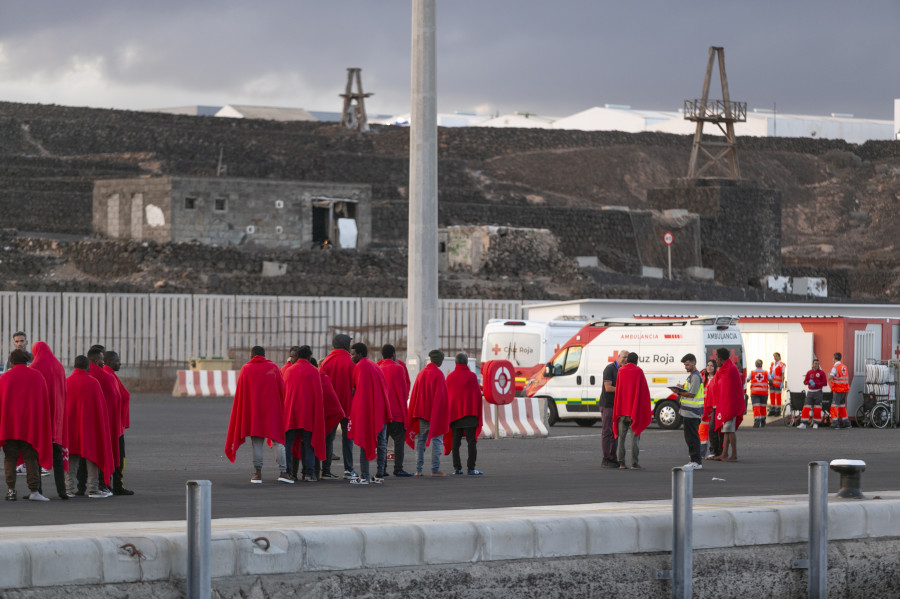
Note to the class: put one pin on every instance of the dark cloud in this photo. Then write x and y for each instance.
(555, 59)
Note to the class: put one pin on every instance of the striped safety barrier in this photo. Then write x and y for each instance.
(521, 418)
(205, 383)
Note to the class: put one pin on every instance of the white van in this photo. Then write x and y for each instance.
(526, 343)
(572, 381)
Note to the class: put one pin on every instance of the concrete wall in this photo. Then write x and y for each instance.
(137, 209)
(742, 546)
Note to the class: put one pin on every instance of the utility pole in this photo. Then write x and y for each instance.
(423, 325)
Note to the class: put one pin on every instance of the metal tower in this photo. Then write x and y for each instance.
(354, 116)
(719, 156)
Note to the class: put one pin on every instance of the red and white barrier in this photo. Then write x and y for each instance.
(205, 383)
(521, 418)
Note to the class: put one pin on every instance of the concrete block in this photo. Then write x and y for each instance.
(15, 559)
(449, 543)
(559, 537)
(700, 273)
(651, 272)
(507, 539)
(713, 529)
(654, 532)
(391, 545)
(274, 553)
(123, 565)
(587, 261)
(223, 555)
(612, 534)
(65, 561)
(793, 523)
(846, 519)
(882, 519)
(756, 527)
(333, 548)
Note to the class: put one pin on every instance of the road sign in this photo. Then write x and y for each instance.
(668, 238)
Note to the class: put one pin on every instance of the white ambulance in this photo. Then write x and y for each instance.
(572, 380)
(526, 343)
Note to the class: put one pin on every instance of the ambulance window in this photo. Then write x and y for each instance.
(567, 361)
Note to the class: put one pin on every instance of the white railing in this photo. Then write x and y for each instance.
(168, 329)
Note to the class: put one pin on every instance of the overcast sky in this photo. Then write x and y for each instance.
(550, 58)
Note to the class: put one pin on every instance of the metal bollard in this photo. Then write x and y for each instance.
(682, 534)
(199, 534)
(817, 562)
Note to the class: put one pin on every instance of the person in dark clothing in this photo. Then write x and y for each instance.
(607, 397)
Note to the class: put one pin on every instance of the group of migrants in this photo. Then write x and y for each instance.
(299, 407)
(73, 425)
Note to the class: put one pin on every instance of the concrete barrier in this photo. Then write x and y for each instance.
(521, 418)
(205, 383)
(744, 545)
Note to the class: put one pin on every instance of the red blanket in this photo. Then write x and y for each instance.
(55, 377)
(338, 365)
(710, 398)
(334, 413)
(632, 399)
(397, 378)
(303, 403)
(370, 410)
(257, 410)
(88, 422)
(124, 400)
(428, 401)
(464, 397)
(25, 411)
(729, 390)
(113, 406)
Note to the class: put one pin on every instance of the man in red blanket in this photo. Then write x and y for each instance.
(55, 377)
(429, 413)
(113, 411)
(334, 413)
(111, 365)
(632, 410)
(730, 404)
(338, 365)
(258, 413)
(293, 356)
(304, 414)
(397, 378)
(88, 430)
(25, 424)
(464, 396)
(369, 414)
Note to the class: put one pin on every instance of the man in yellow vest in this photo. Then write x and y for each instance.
(692, 394)
(839, 381)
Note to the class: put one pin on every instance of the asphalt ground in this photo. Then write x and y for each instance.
(173, 440)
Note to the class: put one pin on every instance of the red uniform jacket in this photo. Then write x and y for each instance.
(370, 410)
(257, 410)
(113, 406)
(88, 422)
(338, 365)
(464, 397)
(730, 401)
(55, 377)
(25, 411)
(303, 403)
(632, 399)
(428, 401)
(397, 378)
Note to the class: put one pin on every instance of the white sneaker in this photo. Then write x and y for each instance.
(37, 497)
(359, 481)
(45, 472)
(377, 480)
(815, 425)
(801, 425)
(97, 495)
(20, 469)
(693, 465)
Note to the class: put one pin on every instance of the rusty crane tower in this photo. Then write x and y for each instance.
(353, 116)
(717, 156)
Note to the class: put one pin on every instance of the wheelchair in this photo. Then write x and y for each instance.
(873, 413)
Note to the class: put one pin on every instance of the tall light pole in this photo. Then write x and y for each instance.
(423, 325)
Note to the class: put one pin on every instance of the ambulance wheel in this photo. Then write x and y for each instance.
(667, 415)
(586, 422)
(552, 414)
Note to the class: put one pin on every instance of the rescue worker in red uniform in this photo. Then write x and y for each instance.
(815, 380)
(759, 394)
(839, 381)
(776, 384)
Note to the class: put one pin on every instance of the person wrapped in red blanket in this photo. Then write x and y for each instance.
(632, 410)
(89, 437)
(55, 376)
(464, 397)
(396, 376)
(429, 413)
(304, 415)
(730, 404)
(369, 414)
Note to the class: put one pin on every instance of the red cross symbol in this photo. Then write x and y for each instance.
(897, 352)
(496, 349)
(613, 357)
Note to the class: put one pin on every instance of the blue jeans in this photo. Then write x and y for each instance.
(329, 449)
(346, 446)
(437, 448)
(309, 457)
(380, 452)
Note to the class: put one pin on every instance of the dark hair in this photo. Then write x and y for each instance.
(304, 352)
(294, 349)
(341, 341)
(388, 351)
(313, 361)
(723, 354)
(436, 356)
(109, 355)
(689, 358)
(257, 350)
(97, 346)
(360, 348)
(18, 356)
(837, 355)
(462, 358)
(82, 363)
(18, 333)
(96, 350)
(632, 358)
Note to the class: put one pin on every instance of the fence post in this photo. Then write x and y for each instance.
(818, 530)
(682, 538)
(199, 533)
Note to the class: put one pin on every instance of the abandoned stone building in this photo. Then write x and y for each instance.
(232, 211)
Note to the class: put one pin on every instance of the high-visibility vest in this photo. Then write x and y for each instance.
(776, 371)
(759, 382)
(694, 404)
(840, 383)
